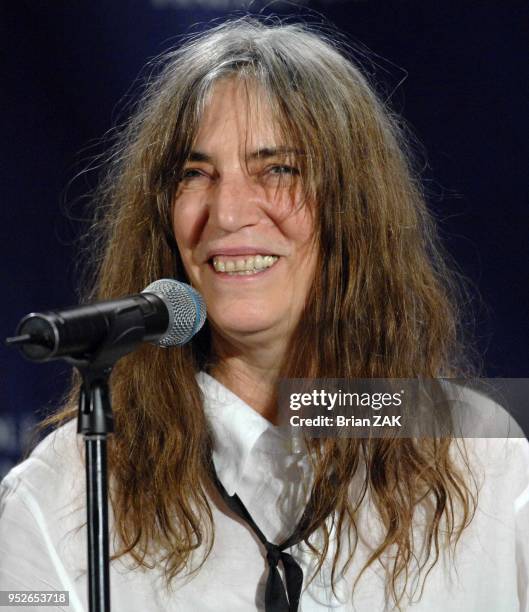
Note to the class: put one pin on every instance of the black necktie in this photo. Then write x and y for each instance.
(275, 596)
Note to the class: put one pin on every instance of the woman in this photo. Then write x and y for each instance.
(261, 168)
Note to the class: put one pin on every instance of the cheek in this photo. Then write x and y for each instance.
(298, 227)
(305, 240)
(295, 215)
(188, 220)
(184, 230)
(305, 253)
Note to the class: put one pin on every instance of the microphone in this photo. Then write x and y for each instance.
(171, 313)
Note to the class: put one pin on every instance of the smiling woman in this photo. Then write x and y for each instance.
(261, 167)
(246, 240)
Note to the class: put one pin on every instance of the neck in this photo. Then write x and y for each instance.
(249, 372)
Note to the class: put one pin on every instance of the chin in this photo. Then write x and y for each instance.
(241, 323)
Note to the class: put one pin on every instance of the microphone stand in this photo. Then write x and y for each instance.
(95, 422)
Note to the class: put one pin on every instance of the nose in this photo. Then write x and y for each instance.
(234, 203)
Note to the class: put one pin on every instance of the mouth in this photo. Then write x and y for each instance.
(249, 265)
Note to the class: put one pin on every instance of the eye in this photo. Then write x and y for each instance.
(283, 169)
(193, 179)
(280, 175)
(191, 173)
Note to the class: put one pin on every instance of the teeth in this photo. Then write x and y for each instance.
(249, 265)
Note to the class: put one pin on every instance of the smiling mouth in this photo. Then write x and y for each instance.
(243, 266)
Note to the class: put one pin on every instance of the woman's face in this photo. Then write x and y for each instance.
(245, 241)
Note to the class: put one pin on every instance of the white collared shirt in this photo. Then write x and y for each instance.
(42, 548)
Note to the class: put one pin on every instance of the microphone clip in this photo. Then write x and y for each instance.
(126, 332)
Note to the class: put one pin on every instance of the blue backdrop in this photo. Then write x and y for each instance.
(456, 71)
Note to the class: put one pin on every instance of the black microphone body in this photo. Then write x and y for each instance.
(80, 330)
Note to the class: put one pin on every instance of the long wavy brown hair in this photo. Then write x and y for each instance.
(383, 303)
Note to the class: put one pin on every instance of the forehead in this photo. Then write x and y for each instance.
(237, 110)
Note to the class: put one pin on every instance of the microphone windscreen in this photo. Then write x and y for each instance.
(186, 307)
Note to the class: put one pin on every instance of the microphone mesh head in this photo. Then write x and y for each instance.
(186, 307)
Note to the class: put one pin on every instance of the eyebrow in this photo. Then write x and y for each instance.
(264, 153)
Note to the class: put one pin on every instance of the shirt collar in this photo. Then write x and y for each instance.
(237, 429)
